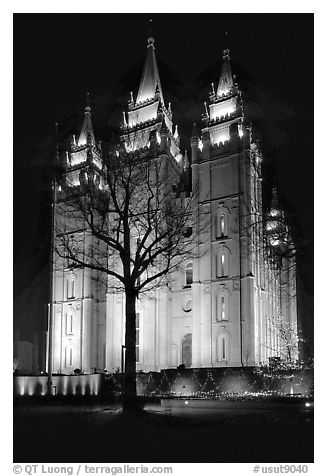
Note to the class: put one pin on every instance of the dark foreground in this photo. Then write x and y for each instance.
(100, 433)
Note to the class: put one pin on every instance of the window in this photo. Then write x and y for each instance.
(222, 265)
(71, 287)
(222, 348)
(69, 356)
(69, 321)
(223, 225)
(222, 307)
(137, 344)
(189, 274)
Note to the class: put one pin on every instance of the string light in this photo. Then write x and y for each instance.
(219, 385)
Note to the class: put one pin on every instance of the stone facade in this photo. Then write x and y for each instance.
(215, 311)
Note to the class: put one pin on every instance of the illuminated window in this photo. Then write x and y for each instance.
(137, 344)
(223, 225)
(222, 307)
(189, 274)
(222, 265)
(69, 321)
(71, 287)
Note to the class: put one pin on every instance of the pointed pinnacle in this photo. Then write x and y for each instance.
(87, 103)
(194, 131)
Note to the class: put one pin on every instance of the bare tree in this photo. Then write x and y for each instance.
(283, 341)
(143, 226)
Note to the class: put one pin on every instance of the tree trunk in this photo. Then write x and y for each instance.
(130, 395)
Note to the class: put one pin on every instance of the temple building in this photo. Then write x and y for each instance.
(217, 309)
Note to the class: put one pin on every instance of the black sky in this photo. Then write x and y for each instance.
(58, 57)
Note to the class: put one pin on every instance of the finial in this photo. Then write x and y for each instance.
(226, 53)
(150, 33)
(226, 41)
(205, 106)
(176, 132)
(131, 99)
(213, 88)
(194, 132)
(169, 106)
(87, 102)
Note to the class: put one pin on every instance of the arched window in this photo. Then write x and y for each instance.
(71, 287)
(189, 274)
(69, 321)
(222, 307)
(222, 264)
(222, 222)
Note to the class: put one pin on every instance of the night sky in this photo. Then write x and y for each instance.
(59, 57)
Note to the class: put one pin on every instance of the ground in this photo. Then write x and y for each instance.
(230, 432)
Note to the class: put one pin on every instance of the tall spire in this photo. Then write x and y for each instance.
(86, 135)
(150, 81)
(226, 79)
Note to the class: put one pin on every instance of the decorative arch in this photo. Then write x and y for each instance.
(222, 222)
(71, 285)
(222, 305)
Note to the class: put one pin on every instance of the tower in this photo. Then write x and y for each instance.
(235, 291)
(148, 133)
(78, 296)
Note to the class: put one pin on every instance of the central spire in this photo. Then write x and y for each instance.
(150, 82)
(87, 135)
(226, 79)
